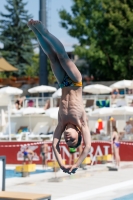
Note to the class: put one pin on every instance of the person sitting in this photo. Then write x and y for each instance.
(30, 103)
(47, 104)
(19, 103)
(128, 129)
(131, 104)
(115, 94)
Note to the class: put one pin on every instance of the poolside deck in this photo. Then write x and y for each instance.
(95, 183)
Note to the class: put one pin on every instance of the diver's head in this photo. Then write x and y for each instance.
(72, 136)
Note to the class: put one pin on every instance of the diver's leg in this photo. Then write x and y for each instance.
(70, 68)
(48, 50)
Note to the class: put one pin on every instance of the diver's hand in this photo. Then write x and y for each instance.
(73, 169)
(66, 168)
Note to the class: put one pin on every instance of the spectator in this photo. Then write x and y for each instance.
(47, 104)
(28, 153)
(19, 103)
(30, 103)
(129, 92)
(131, 104)
(128, 128)
(115, 94)
(115, 146)
(44, 154)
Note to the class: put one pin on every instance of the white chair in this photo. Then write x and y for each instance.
(40, 131)
(50, 133)
(14, 135)
(4, 134)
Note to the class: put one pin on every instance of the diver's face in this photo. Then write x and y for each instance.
(71, 135)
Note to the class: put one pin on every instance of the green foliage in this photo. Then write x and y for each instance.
(104, 29)
(16, 36)
(51, 77)
(33, 69)
(3, 75)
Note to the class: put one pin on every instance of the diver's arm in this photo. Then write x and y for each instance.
(87, 140)
(56, 140)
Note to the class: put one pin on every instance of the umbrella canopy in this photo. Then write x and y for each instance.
(124, 110)
(5, 66)
(42, 89)
(52, 112)
(97, 89)
(58, 93)
(10, 91)
(131, 86)
(121, 84)
(102, 112)
(32, 110)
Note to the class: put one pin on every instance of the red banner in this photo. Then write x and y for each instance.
(14, 151)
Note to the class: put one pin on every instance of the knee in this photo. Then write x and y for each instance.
(52, 57)
(62, 56)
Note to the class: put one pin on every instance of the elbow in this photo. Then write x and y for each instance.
(55, 145)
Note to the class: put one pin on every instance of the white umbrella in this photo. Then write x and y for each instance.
(131, 86)
(124, 110)
(102, 112)
(42, 89)
(97, 89)
(32, 110)
(121, 84)
(10, 91)
(58, 93)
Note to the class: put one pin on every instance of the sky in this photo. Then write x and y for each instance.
(53, 18)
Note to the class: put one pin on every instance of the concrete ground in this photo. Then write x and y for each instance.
(95, 183)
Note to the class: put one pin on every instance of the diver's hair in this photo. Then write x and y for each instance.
(78, 143)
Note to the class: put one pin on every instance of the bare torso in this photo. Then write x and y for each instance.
(44, 148)
(116, 136)
(71, 106)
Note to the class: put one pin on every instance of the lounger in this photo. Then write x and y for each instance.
(4, 134)
(50, 133)
(40, 130)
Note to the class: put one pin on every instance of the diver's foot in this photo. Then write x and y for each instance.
(30, 24)
(40, 27)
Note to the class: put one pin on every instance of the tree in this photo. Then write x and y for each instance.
(104, 30)
(34, 70)
(16, 36)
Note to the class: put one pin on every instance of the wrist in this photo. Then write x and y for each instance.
(62, 167)
(76, 165)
